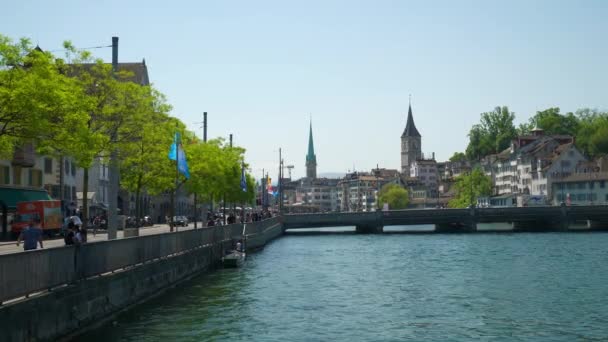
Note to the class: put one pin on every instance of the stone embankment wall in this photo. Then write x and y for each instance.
(65, 290)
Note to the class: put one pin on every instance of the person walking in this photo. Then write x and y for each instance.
(31, 235)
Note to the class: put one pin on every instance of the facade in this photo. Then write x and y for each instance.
(97, 188)
(359, 190)
(581, 189)
(318, 193)
(411, 149)
(425, 171)
(530, 164)
(311, 158)
(31, 170)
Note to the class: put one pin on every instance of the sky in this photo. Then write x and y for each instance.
(263, 69)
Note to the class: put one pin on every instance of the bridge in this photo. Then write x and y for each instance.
(550, 218)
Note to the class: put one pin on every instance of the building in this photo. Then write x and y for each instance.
(581, 189)
(311, 157)
(321, 194)
(425, 171)
(411, 149)
(359, 190)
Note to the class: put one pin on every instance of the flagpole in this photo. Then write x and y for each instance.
(174, 209)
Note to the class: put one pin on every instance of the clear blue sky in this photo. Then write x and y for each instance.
(260, 68)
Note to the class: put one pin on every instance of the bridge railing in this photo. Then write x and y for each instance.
(38, 270)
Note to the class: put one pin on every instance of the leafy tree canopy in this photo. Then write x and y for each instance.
(393, 194)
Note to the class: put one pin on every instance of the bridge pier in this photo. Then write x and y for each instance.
(597, 225)
(470, 227)
(369, 229)
(540, 226)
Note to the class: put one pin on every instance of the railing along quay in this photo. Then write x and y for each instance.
(40, 270)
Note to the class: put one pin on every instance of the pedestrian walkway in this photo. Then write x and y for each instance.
(9, 247)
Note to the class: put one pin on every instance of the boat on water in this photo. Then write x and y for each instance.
(236, 257)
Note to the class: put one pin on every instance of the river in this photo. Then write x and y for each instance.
(390, 287)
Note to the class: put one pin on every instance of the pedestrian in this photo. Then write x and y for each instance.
(31, 235)
(96, 223)
(70, 238)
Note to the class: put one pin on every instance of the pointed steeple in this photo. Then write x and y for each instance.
(311, 148)
(410, 127)
(311, 158)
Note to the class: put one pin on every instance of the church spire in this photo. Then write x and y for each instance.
(311, 158)
(410, 127)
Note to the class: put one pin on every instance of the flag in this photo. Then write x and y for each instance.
(268, 185)
(177, 152)
(243, 179)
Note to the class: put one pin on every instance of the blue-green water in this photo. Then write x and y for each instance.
(347, 287)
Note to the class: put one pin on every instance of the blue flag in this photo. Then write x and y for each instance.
(177, 152)
(243, 179)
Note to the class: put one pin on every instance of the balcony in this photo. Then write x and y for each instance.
(24, 156)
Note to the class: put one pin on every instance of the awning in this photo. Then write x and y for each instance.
(11, 196)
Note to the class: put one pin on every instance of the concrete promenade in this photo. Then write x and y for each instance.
(56, 292)
(7, 247)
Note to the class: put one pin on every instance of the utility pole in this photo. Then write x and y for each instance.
(205, 126)
(113, 170)
(280, 183)
(204, 213)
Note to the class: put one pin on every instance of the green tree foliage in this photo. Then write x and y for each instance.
(470, 186)
(394, 195)
(552, 122)
(215, 168)
(144, 164)
(592, 135)
(493, 134)
(37, 102)
(458, 157)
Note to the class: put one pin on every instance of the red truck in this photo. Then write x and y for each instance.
(48, 211)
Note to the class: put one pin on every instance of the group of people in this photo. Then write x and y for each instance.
(76, 234)
(31, 236)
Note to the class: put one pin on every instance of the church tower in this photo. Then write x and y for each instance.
(410, 144)
(311, 158)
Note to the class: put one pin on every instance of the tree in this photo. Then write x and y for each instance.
(493, 134)
(394, 195)
(114, 110)
(470, 186)
(458, 157)
(38, 104)
(144, 165)
(553, 123)
(592, 134)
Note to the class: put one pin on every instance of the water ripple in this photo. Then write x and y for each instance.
(490, 287)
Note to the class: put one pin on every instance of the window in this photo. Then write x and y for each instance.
(35, 178)
(560, 197)
(581, 185)
(602, 184)
(73, 169)
(581, 197)
(591, 184)
(5, 175)
(67, 167)
(48, 166)
(73, 193)
(17, 175)
(565, 163)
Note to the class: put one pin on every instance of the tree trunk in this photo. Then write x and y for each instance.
(85, 199)
(172, 211)
(195, 213)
